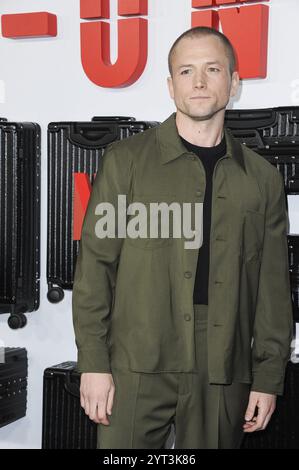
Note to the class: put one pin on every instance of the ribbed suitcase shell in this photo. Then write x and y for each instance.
(65, 424)
(282, 431)
(75, 147)
(274, 134)
(293, 249)
(19, 219)
(13, 385)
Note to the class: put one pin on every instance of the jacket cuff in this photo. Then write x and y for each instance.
(268, 383)
(93, 360)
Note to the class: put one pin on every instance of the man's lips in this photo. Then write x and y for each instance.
(200, 98)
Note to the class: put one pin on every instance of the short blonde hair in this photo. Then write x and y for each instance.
(199, 31)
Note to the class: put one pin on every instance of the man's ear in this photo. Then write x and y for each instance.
(234, 84)
(170, 87)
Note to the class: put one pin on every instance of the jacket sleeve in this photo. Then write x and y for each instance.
(273, 320)
(96, 266)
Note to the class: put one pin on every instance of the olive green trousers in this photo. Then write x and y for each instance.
(204, 416)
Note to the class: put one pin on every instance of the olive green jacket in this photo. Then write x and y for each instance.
(133, 298)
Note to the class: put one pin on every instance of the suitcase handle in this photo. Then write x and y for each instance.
(250, 118)
(113, 118)
(92, 134)
(72, 387)
(249, 134)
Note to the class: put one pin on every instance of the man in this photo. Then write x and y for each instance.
(167, 334)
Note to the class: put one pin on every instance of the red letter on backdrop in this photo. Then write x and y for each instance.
(21, 25)
(132, 7)
(210, 3)
(82, 190)
(95, 9)
(95, 47)
(247, 29)
(202, 3)
(205, 18)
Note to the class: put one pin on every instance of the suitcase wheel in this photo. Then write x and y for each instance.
(16, 321)
(55, 295)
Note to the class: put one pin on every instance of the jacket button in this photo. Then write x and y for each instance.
(187, 317)
(192, 157)
(188, 274)
(198, 193)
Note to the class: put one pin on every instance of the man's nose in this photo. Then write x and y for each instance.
(200, 80)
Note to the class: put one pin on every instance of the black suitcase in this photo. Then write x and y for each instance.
(293, 249)
(19, 219)
(282, 431)
(13, 385)
(65, 424)
(274, 134)
(75, 147)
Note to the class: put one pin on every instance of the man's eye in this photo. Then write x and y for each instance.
(185, 72)
(214, 69)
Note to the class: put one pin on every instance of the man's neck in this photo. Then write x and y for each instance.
(207, 133)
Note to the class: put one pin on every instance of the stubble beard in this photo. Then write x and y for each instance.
(201, 115)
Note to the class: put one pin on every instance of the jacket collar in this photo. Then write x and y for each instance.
(172, 147)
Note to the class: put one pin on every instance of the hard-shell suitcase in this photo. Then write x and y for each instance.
(75, 148)
(65, 424)
(293, 249)
(274, 134)
(19, 219)
(13, 385)
(113, 118)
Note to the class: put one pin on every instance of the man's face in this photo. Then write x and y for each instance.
(201, 85)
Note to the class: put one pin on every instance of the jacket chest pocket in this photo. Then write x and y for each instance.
(252, 236)
(151, 217)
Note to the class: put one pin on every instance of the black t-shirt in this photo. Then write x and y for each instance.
(208, 157)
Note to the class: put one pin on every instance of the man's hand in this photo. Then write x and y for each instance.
(266, 404)
(96, 395)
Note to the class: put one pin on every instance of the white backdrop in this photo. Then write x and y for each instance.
(42, 80)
